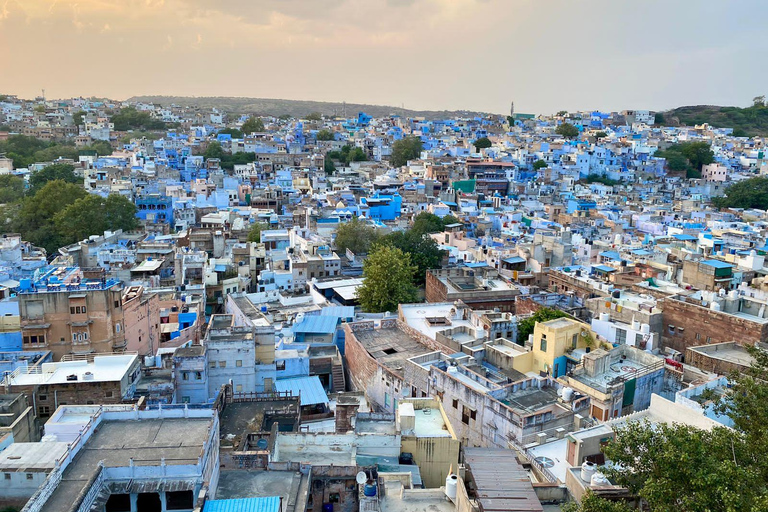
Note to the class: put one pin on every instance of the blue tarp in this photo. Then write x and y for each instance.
(270, 504)
(310, 389)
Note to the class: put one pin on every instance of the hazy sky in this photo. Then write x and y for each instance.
(546, 55)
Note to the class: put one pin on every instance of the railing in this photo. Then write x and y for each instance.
(95, 484)
(40, 498)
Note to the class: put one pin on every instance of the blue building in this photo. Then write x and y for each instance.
(383, 207)
(154, 208)
(581, 206)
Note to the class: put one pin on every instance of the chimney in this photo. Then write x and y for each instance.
(346, 408)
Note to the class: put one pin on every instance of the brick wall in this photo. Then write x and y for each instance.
(716, 326)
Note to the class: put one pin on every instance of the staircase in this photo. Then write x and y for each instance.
(337, 373)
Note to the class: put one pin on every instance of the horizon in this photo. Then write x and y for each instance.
(476, 55)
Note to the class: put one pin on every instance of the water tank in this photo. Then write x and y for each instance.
(299, 318)
(599, 479)
(453, 369)
(587, 470)
(721, 292)
(369, 490)
(567, 394)
(605, 317)
(451, 483)
(149, 361)
(616, 294)
(714, 306)
(645, 329)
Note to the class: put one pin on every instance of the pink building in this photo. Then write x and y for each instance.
(142, 320)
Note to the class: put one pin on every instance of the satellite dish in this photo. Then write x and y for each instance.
(361, 478)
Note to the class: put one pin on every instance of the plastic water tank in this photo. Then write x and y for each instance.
(599, 479)
(451, 483)
(453, 369)
(369, 490)
(715, 306)
(567, 394)
(587, 470)
(605, 317)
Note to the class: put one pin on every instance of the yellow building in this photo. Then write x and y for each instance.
(554, 339)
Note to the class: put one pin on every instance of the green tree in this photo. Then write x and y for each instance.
(328, 166)
(325, 134)
(567, 130)
(93, 214)
(131, 119)
(525, 327)
(388, 274)
(750, 193)
(234, 132)
(592, 503)
(425, 223)
(214, 150)
(35, 217)
(253, 125)
(698, 153)
(424, 252)
(482, 143)
(314, 116)
(677, 467)
(254, 234)
(561, 113)
(40, 109)
(539, 164)
(11, 188)
(406, 149)
(355, 235)
(601, 135)
(62, 172)
(77, 117)
(658, 118)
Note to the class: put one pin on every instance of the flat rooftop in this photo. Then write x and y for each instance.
(390, 347)
(414, 500)
(107, 368)
(241, 418)
(430, 423)
(255, 483)
(178, 441)
(416, 316)
(729, 352)
(32, 457)
(531, 399)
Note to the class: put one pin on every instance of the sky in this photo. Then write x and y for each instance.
(545, 55)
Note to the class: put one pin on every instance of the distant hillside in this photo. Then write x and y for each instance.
(297, 108)
(748, 121)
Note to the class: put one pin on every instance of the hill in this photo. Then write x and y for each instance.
(297, 108)
(749, 121)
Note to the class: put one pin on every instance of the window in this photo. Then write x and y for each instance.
(108, 394)
(71, 310)
(386, 399)
(185, 375)
(473, 415)
(44, 410)
(83, 309)
(543, 344)
(198, 376)
(7, 476)
(465, 416)
(212, 364)
(42, 398)
(455, 404)
(671, 329)
(709, 339)
(575, 340)
(621, 336)
(239, 363)
(698, 336)
(638, 339)
(117, 327)
(222, 364)
(117, 303)
(30, 476)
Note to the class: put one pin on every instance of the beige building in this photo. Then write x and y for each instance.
(69, 310)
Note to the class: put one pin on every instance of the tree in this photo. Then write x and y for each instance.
(62, 172)
(35, 217)
(406, 149)
(325, 134)
(355, 235)
(254, 234)
(253, 125)
(525, 327)
(40, 109)
(425, 223)
(130, 118)
(592, 503)
(348, 154)
(314, 116)
(750, 193)
(328, 166)
(11, 188)
(214, 150)
(93, 214)
(678, 467)
(561, 113)
(539, 164)
(482, 143)
(234, 132)
(388, 274)
(424, 252)
(567, 130)
(698, 153)
(658, 118)
(758, 101)
(601, 135)
(77, 117)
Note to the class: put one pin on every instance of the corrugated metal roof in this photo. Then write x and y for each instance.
(310, 389)
(316, 324)
(270, 504)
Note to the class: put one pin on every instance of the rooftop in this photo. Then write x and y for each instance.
(32, 457)
(104, 368)
(390, 346)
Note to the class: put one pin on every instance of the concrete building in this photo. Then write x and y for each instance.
(479, 287)
(96, 379)
(190, 372)
(124, 459)
(141, 312)
(710, 275)
(618, 382)
(72, 311)
(18, 421)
